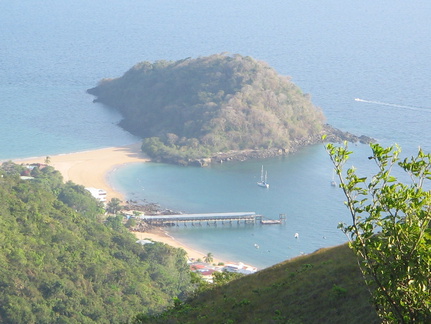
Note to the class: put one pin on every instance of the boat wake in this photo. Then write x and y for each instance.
(394, 105)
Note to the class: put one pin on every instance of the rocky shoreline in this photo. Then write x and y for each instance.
(333, 135)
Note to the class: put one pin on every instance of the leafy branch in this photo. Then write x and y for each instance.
(390, 230)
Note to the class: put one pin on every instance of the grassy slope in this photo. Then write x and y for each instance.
(323, 287)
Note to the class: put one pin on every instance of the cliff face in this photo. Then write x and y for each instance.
(195, 108)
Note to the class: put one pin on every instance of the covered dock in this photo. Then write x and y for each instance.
(209, 218)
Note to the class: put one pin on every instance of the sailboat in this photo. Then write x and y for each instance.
(263, 179)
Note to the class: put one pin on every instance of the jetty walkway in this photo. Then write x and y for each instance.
(210, 218)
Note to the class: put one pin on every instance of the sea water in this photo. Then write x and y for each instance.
(337, 51)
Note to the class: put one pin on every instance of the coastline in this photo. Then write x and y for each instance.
(159, 235)
(90, 169)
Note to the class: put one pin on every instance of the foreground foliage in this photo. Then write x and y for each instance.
(390, 231)
(193, 108)
(323, 287)
(59, 263)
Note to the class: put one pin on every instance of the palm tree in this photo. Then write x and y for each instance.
(114, 206)
(209, 258)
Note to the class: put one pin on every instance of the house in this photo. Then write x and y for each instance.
(239, 268)
(207, 274)
(99, 194)
(143, 242)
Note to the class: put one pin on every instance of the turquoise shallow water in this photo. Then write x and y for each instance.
(337, 51)
(299, 187)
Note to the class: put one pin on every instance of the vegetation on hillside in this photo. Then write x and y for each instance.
(59, 263)
(323, 287)
(194, 108)
(390, 230)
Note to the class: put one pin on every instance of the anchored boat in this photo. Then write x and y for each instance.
(263, 179)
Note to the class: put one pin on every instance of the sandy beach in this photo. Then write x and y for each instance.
(90, 169)
(160, 236)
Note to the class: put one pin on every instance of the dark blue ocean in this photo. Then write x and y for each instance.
(379, 52)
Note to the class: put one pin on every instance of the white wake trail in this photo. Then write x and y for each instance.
(394, 105)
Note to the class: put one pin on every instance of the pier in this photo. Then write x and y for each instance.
(209, 219)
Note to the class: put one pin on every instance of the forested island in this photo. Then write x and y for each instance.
(215, 108)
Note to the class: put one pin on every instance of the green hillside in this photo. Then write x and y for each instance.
(60, 263)
(196, 108)
(323, 287)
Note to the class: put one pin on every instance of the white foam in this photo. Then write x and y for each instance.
(394, 105)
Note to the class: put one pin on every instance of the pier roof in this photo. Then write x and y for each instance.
(207, 216)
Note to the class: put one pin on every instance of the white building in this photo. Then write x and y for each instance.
(99, 194)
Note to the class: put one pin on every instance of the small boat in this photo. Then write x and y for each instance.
(270, 221)
(263, 179)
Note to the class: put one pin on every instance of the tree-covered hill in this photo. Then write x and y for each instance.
(59, 263)
(196, 108)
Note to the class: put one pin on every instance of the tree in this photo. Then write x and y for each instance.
(58, 265)
(115, 222)
(224, 277)
(114, 206)
(390, 230)
(131, 222)
(209, 258)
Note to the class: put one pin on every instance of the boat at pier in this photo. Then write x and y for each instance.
(270, 221)
(280, 220)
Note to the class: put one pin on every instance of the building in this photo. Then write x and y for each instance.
(99, 194)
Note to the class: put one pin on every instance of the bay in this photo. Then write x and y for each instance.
(300, 188)
(51, 52)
